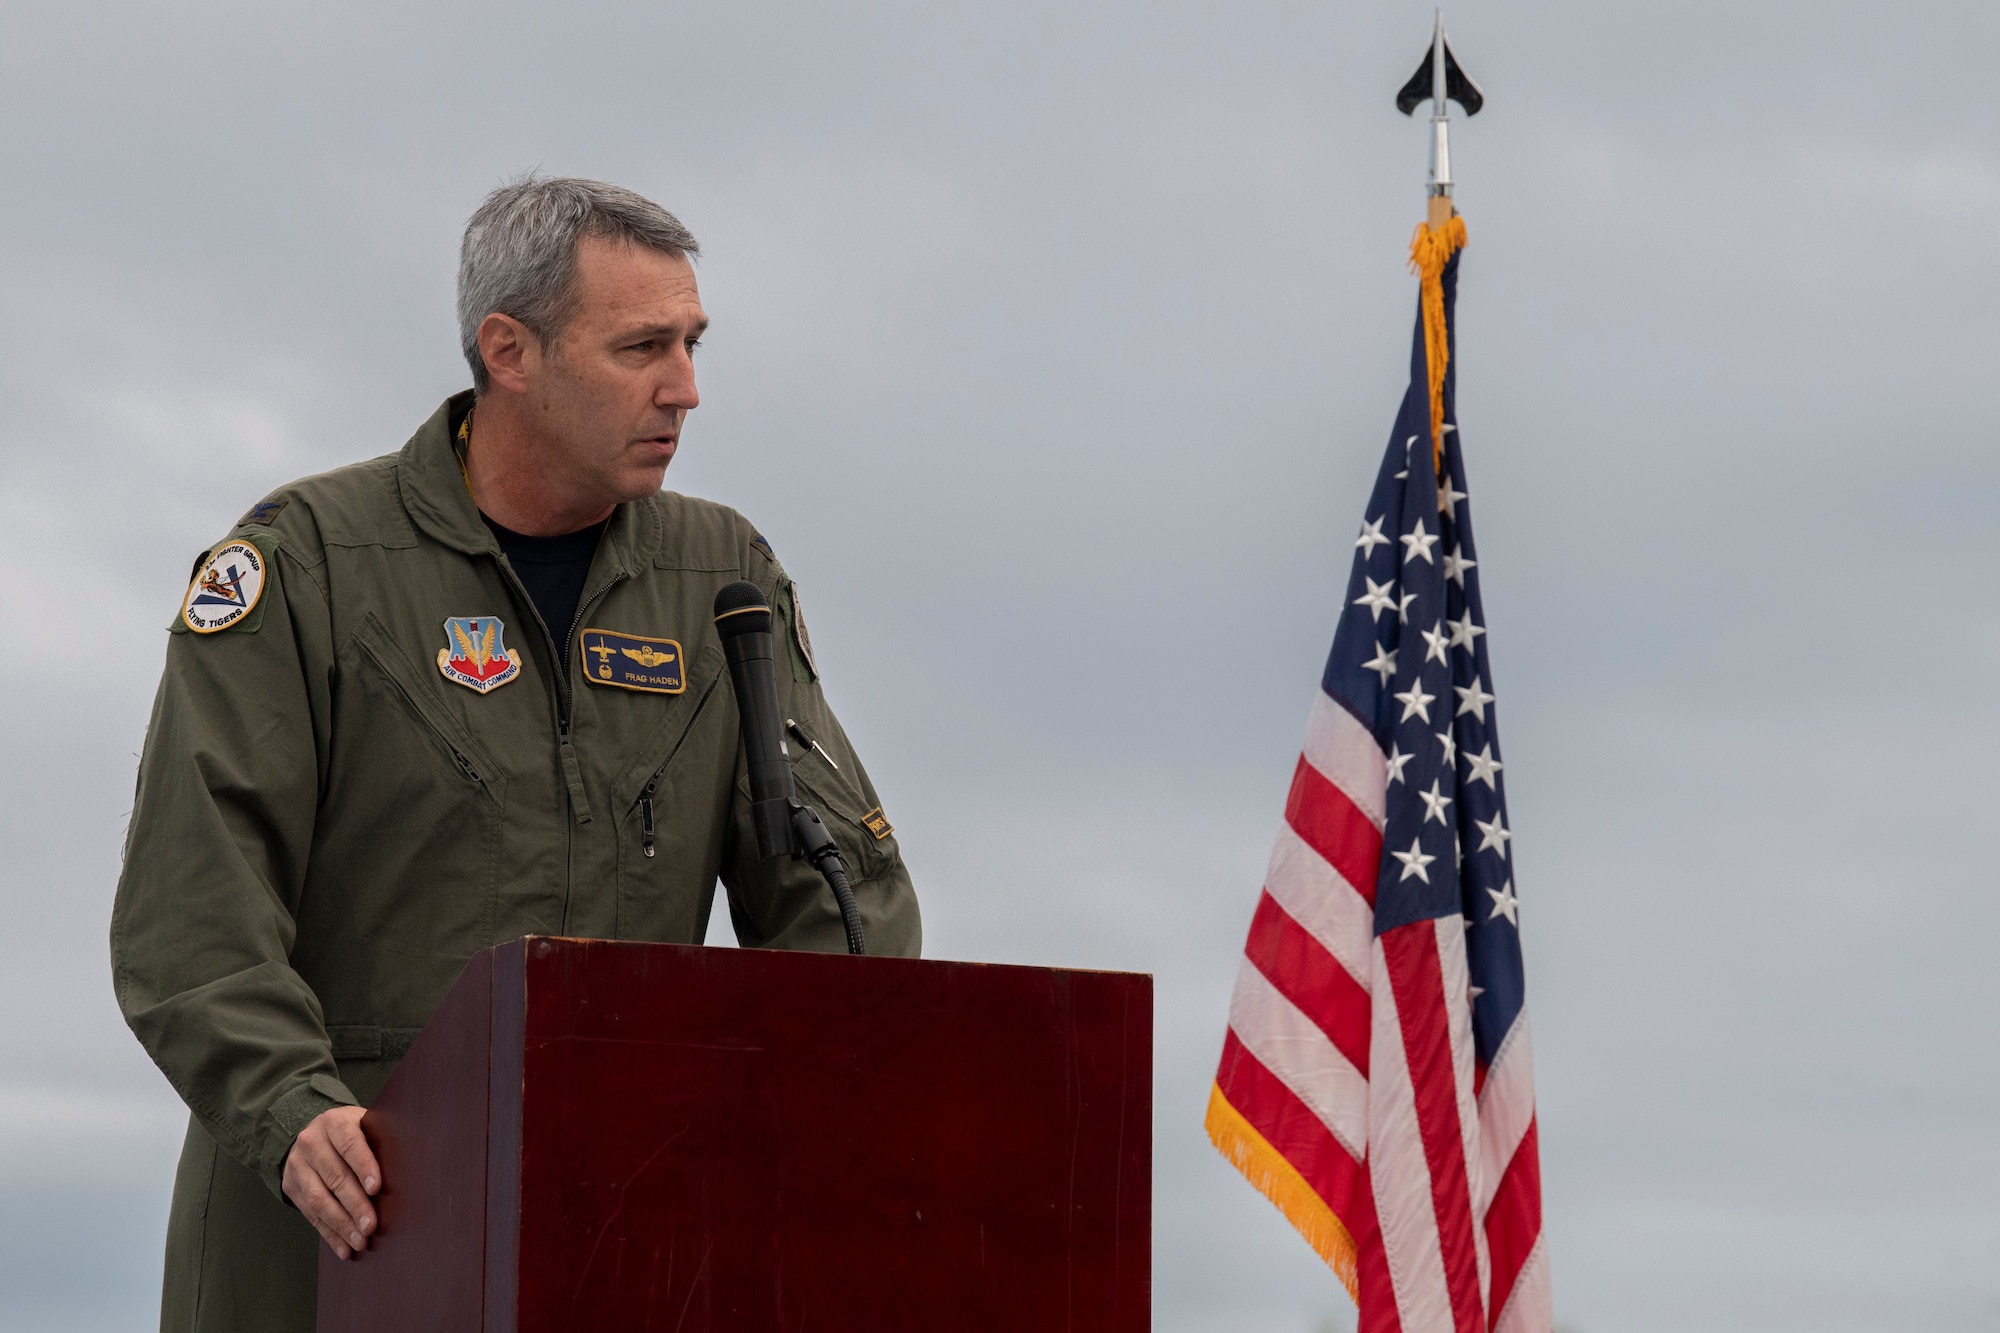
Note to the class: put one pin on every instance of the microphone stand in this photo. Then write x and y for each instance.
(812, 842)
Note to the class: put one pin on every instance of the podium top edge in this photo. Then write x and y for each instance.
(578, 941)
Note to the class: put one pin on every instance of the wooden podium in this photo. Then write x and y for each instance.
(610, 1138)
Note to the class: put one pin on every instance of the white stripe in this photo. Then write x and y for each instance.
(1346, 754)
(1313, 894)
(1294, 1049)
(1458, 1014)
(1506, 1107)
(1528, 1308)
(1401, 1176)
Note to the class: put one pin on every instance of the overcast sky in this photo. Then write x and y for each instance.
(1055, 347)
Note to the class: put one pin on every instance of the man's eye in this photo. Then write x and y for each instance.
(692, 344)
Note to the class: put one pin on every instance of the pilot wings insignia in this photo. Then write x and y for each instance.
(646, 655)
(482, 661)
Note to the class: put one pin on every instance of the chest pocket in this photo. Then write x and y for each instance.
(447, 736)
(411, 816)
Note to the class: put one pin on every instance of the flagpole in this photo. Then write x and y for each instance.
(1440, 81)
(1439, 206)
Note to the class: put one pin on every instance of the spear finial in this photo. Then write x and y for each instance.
(1440, 81)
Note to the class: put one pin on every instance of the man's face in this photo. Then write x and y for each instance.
(609, 395)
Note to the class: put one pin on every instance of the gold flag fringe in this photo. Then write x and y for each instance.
(1429, 249)
(1279, 1181)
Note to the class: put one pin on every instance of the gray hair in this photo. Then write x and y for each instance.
(519, 254)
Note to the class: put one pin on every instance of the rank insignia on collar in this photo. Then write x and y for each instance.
(476, 655)
(629, 662)
(226, 585)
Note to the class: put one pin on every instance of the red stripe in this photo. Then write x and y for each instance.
(1417, 978)
(1334, 826)
(1514, 1218)
(1311, 978)
(1289, 1126)
(1376, 1312)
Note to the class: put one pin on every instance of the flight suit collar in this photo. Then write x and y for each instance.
(434, 492)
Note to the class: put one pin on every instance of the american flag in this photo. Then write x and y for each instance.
(1376, 1081)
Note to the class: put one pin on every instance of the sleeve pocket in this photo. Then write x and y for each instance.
(865, 836)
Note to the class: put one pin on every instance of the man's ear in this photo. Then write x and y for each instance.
(511, 351)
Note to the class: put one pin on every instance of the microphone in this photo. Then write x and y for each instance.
(783, 825)
(743, 619)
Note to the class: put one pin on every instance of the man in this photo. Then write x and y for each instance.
(429, 703)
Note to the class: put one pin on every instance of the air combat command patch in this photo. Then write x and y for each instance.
(224, 589)
(475, 655)
(632, 663)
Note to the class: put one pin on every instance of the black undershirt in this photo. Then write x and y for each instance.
(552, 569)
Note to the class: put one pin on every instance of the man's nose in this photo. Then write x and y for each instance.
(677, 388)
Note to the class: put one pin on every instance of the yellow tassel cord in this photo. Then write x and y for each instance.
(1280, 1182)
(1429, 249)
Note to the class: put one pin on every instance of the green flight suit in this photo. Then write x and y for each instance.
(328, 824)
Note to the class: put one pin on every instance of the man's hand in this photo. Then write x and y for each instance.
(330, 1174)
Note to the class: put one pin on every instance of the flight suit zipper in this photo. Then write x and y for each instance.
(579, 798)
(565, 691)
(572, 767)
(566, 698)
(566, 756)
(646, 810)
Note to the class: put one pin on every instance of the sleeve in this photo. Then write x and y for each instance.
(783, 903)
(215, 857)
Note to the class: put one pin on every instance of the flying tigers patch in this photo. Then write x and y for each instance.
(225, 588)
(628, 662)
